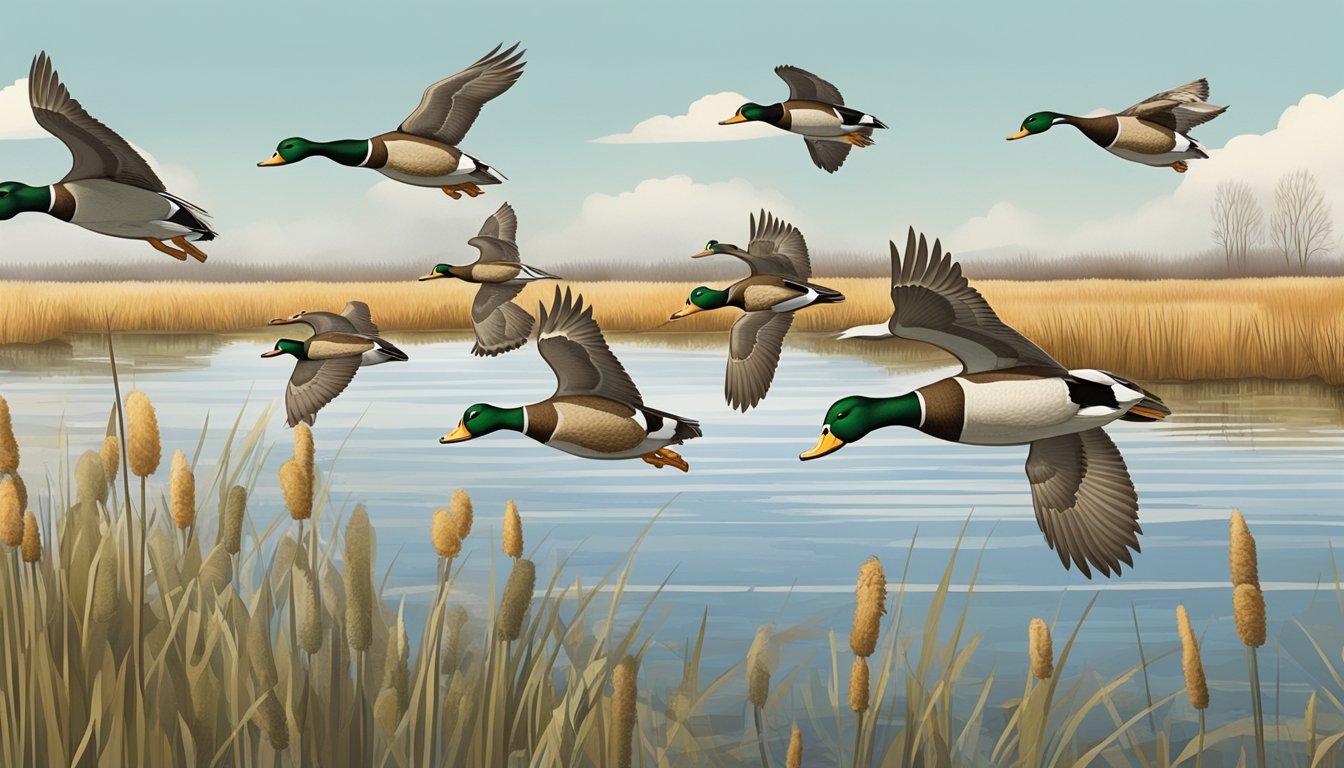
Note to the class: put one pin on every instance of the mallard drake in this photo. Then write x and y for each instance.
(596, 411)
(816, 111)
(327, 362)
(499, 324)
(1009, 392)
(354, 319)
(423, 151)
(777, 287)
(110, 188)
(1155, 132)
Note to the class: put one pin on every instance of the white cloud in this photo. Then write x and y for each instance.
(660, 220)
(700, 123)
(16, 115)
(1307, 136)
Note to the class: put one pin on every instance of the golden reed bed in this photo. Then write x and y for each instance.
(1279, 328)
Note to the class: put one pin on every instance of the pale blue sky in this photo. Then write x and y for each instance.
(214, 87)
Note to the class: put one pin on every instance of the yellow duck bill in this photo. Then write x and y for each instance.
(272, 353)
(430, 276)
(733, 119)
(1019, 134)
(826, 444)
(689, 309)
(274, 159)
(457, 435)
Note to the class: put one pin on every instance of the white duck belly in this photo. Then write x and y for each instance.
(122, 210)
(1017, 412)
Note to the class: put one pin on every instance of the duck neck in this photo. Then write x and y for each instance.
(513, 419)
(901, 411)
(351, 152)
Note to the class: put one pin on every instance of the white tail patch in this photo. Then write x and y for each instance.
(878, 331)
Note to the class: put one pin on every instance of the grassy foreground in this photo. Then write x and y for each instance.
(152, 623)
(1277, 328)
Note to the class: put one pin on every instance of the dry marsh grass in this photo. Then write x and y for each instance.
(1278, 328)
(262, 648)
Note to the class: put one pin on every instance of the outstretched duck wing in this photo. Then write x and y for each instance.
(805, 86)
(572, 344)
(1179, 109)
(828, 155)
(450, 106)
(357, 313)
(499, 324)
(754, 345)
(777, 248)
(1085, 501)
(501, 225)
(98, 151)
(935, 304)
(315, 383)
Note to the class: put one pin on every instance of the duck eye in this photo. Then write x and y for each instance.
(840, 415)
(4, 193)
(471, 415)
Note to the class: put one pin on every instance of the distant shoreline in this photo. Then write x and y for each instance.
(1276, 328)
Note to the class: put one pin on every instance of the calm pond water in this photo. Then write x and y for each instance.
(751, 534)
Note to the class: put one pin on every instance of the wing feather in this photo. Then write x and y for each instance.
(754, 345)
(315, 383)
(777, 248)
(572, 344)
(805, 86)
(99, 153)
(1179, 109)
(935, 304)
(450, 106)
(1085, 501)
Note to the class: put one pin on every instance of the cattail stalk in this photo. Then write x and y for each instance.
(1195, 683)
(9, 447)
(516, 600)
(11, 513)
(1248, 609)
(858, 702)
(31, 545)
(1041, 649)
(623, 712)
(870, 604)
(513, 531)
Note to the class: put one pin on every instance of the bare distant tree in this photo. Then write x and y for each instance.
(1238, 222)
(1301, 226)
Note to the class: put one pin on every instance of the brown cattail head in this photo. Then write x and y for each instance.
(794, 757)
(1248, 608)
(624, 693)
(858, 685)
(11, 513)
(9, 447)
(104, 606)
(182, 492)
(513, 530)
(230, 535)
(870, 605)
(762, 659)
(309, 608)
(1241, 552)
(517, 598)
(460, 506)
(297, 486)
(32, 539)
(303, 445)
(443, 534)
(142, 435)
(271, 717)
(110, 456)
(359, 579)
(90, 482)
(1041, 649)
(1195, 684)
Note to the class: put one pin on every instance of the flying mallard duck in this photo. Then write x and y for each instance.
(1009, 392)
(354, 319)
(1156, 131)
(423, 151)
(327, 361)
(500, 325)
(110, 188)
(816, 111)
(596, 411)
(777, 287)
